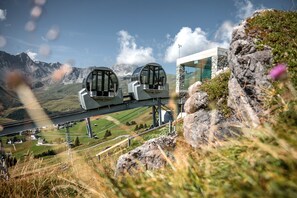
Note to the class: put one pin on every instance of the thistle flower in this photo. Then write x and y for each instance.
(278, 72)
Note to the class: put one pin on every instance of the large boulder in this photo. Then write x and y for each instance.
(203, 127)
(248, 74)
(197, 101)
(194, 88)
(147, 156)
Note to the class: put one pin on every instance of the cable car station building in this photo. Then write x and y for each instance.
(199, 67)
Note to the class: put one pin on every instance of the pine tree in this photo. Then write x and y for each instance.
(136, 127)
(107, 133)
(14, 161)
(76, 142)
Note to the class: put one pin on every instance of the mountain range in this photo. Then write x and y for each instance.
(40, 77)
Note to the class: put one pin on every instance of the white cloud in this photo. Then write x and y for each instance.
(2, 14)
(224, 33)
(245, 9)
(191, 41)
(32, 55)
(130, 53)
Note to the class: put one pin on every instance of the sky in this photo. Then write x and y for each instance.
(107, 32)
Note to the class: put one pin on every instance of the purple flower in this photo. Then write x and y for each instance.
(278, 72)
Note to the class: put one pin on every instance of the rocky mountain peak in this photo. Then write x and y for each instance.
(37, 72)
(123, 70)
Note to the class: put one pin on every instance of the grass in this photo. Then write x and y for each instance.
(21, 150)
(68, 103)
(114, 122)
(277, 29)
(258, 164)
(56, 185)
(139, 141)
(262, 162)
(56, 98)
(58, 91)
(217, 91)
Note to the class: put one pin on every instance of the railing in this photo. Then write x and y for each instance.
(128, 141)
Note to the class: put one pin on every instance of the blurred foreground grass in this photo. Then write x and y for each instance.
(260, 163)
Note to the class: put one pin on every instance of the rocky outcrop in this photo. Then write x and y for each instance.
(35, 71)
(123, 70)
(194, 88)
(197, 101)
(248, 75)
(147, 156)
(201, 125)
(76, 75)
(246, 85)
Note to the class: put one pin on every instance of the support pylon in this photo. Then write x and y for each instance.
(68, 140)
(89, 127)
(160, 111)
(154, 116)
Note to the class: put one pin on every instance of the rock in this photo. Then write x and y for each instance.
(248, 75)
(197, 101)
(238, 101)
(147, 156)
(203, 127)
(196, 127)
(248, 79)
(194, 88)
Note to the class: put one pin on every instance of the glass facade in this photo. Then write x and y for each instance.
(197, 71)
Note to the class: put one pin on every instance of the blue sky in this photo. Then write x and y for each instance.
(104, 33)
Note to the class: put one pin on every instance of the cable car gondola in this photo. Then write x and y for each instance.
(100, 88)
(148, 81)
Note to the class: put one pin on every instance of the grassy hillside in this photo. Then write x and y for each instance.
(115, 122)
(60, 98)
(262, 162)
(258, 164)
(54, 99)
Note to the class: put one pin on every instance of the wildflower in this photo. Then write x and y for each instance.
(278, 72)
